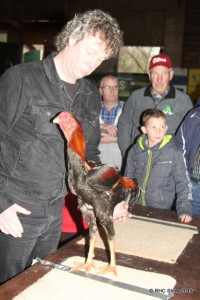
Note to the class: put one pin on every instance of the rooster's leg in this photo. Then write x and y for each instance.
(89, 261)
(112, 266)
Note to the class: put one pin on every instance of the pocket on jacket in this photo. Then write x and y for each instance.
(92, 118)
(139, 168)
(163, 168)
(88, 122)
(43, 115)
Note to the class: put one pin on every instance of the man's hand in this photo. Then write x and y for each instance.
(108, 133)
(121, 213)
(185, 218)
(111, 129)
(106, 138)
(9, 221)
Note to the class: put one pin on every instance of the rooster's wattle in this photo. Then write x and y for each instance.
(99, 189)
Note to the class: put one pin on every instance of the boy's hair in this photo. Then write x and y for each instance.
(91, 22)
(152, 113)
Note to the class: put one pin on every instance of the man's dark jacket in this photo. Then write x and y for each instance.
(32, 149)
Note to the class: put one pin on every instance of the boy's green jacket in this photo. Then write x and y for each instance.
(161, 174)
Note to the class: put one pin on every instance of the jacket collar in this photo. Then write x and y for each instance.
(142, 142)
(52, 75)
(171, 93)
(50, 69)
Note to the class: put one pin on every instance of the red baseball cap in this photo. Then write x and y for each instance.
(160, 60)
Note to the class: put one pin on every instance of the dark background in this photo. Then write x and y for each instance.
(172, 24)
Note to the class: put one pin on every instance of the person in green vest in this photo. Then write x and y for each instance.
(159, 167)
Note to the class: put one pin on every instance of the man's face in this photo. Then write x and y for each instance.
(155, 129)
(109, 90)
(160, 78)
(85, 56)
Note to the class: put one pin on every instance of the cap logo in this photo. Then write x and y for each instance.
(158, 59)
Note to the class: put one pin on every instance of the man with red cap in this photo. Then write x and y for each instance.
(158, 94)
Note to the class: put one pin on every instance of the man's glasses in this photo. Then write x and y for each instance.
(109, 87)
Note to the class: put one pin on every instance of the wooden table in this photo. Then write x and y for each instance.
(186, 271)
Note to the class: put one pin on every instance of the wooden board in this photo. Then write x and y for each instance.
(148, 238)
(129, 284)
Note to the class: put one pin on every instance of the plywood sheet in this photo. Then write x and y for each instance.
(149, 238)
(129, 284)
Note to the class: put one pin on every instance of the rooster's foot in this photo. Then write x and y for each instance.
(83, 266)
(107, 269)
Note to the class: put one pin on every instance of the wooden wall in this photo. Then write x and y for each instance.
(172, 24)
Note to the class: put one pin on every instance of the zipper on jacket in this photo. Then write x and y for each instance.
(162, 163)
(146, 177)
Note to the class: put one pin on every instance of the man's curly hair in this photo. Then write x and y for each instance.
(90, 22)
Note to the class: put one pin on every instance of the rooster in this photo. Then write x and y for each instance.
(99, 189)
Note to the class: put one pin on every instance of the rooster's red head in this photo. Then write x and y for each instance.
(73, 132)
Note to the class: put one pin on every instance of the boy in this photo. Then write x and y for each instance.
(159, 167)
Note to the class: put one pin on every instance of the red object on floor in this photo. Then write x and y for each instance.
(72, 220)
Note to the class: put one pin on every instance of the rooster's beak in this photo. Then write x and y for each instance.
(55, 120)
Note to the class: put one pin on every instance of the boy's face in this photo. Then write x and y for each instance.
(155, 129)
